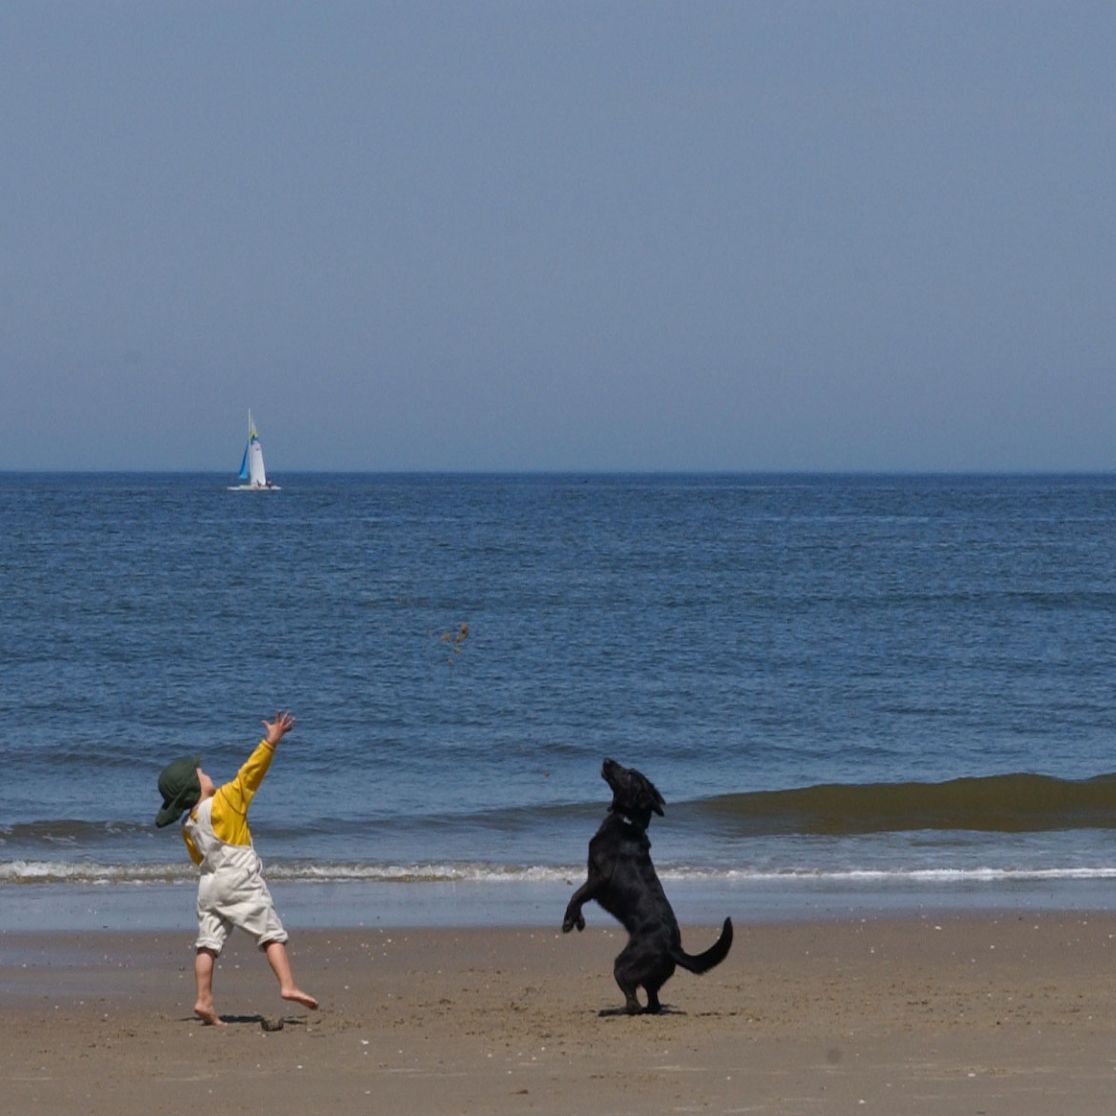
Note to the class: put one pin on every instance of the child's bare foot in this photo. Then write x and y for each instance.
(206, 1012)
(299, 997)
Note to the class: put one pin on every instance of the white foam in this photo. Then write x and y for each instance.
(16, 872)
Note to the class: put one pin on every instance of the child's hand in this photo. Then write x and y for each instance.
(283, 723)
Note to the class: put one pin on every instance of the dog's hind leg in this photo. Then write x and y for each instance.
(628, 977)
(631, 1004)
(653, 984)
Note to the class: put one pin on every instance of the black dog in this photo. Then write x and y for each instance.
(622, 879)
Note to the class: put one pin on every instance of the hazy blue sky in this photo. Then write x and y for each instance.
(600, 235)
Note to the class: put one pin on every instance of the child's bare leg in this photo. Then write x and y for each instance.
(281, 966)
(204, 961)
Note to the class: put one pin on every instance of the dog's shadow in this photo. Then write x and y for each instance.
(666, 1009)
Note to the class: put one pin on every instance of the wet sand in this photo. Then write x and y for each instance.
(951, 1014)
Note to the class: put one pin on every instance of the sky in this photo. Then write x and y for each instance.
(759, 235)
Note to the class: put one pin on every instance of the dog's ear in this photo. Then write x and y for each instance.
(656, 800)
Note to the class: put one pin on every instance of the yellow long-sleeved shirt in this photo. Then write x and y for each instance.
(231, 801)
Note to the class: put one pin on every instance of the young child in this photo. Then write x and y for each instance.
(231, 890)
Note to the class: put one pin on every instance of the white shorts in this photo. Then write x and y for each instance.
(227, 899)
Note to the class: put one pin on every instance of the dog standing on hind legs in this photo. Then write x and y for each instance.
(623, 881)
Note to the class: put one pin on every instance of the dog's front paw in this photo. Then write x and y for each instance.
(571, 921)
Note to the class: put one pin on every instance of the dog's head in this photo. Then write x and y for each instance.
(633, 793)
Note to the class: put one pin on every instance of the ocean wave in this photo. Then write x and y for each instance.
(1017, 803)
(995, 804)
(69, 831)
(84, 872)
(19, 872)
(87, 872)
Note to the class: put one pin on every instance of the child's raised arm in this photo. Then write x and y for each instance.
(276, 729)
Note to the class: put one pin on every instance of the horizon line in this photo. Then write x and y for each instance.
(590, 472)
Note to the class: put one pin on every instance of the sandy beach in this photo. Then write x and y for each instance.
(970, 1013)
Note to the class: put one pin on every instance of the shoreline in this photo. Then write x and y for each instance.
(1006, 1012)
(31, 907)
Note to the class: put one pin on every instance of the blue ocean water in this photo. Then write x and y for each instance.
(894, 678)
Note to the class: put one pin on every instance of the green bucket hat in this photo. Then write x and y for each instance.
(179, 786)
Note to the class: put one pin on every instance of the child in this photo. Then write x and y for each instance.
(231, 890)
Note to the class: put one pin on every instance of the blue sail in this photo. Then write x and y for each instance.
(244, 463)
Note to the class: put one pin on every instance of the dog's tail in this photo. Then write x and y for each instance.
(714, 955)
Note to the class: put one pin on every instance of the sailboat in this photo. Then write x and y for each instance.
(252, 476)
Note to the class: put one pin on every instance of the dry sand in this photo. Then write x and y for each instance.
(992, 1014)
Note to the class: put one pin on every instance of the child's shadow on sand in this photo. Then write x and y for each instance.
(261, 1021)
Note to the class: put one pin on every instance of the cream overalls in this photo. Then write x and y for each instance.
(231, 890)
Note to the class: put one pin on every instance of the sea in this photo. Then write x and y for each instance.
(855, 693)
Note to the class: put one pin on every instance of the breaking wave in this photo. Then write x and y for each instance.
(1018, 803)
(19, 872)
